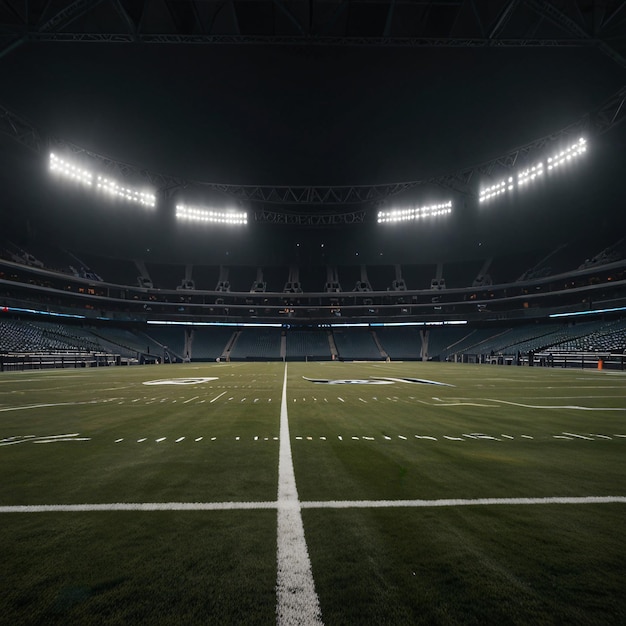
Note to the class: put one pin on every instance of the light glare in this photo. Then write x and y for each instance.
(111, 187)
(529, 174)
(414, 213)
(194, 214)
(70, 170)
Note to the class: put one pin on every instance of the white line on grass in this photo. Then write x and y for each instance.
(332, 504)
(41, 406)
(379, 504)
(296, 599)
(217, 397)
(139, 506)
(60, 440)
(578, 436)
(548, 406)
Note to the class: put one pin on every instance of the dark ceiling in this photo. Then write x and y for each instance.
(311, 93)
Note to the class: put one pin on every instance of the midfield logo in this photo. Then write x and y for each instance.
(181, 381)
(375, 380)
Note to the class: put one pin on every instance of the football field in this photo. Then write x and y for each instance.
(335, 493)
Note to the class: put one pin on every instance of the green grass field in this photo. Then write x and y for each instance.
(102, 436)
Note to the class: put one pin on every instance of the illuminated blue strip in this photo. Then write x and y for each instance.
(229, 324)
(13, 309)
(593, 312)
(320, 325)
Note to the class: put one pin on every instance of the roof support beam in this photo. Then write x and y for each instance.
(504, 17)
(285, 11)
(387, 31)
(550, 12)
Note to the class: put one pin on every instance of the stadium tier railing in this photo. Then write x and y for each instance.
(19, 361)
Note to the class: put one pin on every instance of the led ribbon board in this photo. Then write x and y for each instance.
(194, 214)
(523, 177)
(414, 213)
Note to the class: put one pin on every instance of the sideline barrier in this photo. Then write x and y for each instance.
(17, 361)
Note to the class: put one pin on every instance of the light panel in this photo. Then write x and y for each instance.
(111, 187)
(414, 213)
(70, 170)
(496, 190)
(196, 214)
(575, 150)
(530, 174)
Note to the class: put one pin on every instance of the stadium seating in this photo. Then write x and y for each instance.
(171, 337)
(442, 340)
(401, 343)
(209, 343)
(257, 343)
(356, 344)
(312, 344)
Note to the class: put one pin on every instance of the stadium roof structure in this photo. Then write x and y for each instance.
(313, 113)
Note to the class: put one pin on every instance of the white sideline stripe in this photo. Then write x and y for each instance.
(296, 599)
(41, 406)
(379, 504)
(59, 440)
(139, 506)
(332, 504)
(556, 406)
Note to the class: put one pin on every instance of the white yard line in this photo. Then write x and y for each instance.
(332, 504)
(377, 504)
(139, 506)
(548, 406)
(41, 406)
(296, 598)
(60, 440)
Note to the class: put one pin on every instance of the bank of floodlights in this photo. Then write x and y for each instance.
(211, 216)
(70, 170)
(112, 188)
(529, 174)
(414, 213)
(568, 154)
(526, 176)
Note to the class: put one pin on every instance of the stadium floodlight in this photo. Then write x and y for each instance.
(111, 187)
(414, 213)
(528, 175)
(496, 190)
(536, 171)
(195, 214)
(70, 170)
(568, 154)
